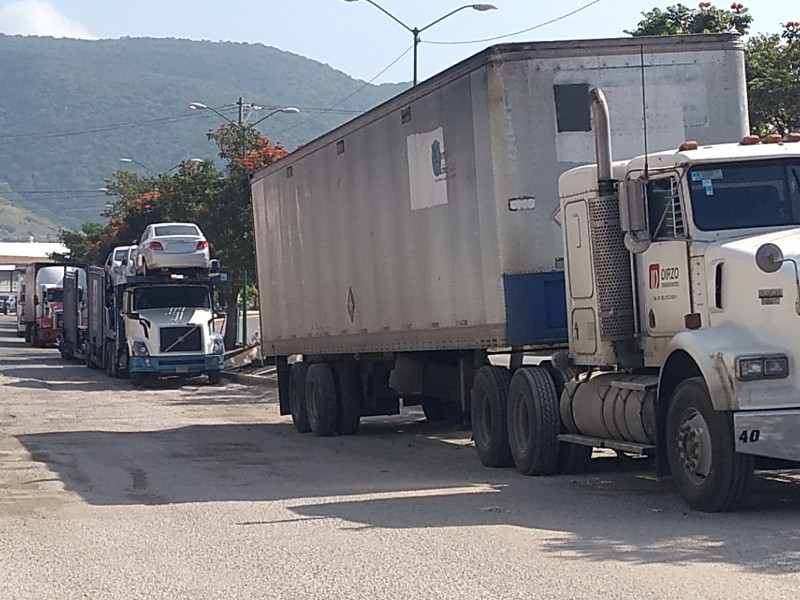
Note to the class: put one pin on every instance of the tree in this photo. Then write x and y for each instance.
(219, 203)
(773, 76)
(680, 19)
(81, 244)
(228, 217)
(773, 61)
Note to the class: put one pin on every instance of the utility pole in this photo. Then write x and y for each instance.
(240, 103)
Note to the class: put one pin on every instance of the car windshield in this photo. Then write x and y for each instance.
(120, 254)
(170, 296)
(176, 230)
(55, 296)
(747, 194)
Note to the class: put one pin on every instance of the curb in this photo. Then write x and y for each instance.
(252, 380)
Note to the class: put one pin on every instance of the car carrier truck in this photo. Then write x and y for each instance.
(399, 253)
(151, 326)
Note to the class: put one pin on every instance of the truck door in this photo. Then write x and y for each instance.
(663, 269)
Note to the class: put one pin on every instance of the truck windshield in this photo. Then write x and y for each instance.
(741, 195)
(55, 296)
(171, 297)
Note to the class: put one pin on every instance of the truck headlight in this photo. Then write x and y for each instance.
(774, 366)
(140, 349)
(217, 345)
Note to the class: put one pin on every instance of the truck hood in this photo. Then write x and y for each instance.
(766, 305)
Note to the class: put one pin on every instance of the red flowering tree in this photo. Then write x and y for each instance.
(219, 203)
(228, 220)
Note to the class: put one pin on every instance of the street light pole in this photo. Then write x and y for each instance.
(136, 162)
(242, 124)
(415, 31)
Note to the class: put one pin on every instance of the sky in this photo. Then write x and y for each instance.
(353, 36)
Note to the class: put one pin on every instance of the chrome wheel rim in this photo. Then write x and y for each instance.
(694, 446)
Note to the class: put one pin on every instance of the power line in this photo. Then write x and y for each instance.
(508, 35)
(346, 98)
(102, 129)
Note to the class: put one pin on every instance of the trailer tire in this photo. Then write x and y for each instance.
(214, 377)
(708, 472)
(35, 341)
(28, 336)
(534, 421)
(489, 419)
(321, 400)
(297, 396)
(350, 398)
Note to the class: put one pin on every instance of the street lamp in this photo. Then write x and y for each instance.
(415, 31)
(242, 124)
(136, 162)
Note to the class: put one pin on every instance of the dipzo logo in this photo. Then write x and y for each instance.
(666, 277)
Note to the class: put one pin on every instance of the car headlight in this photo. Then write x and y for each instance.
(774, 366)
(217, 345)
(140, 349)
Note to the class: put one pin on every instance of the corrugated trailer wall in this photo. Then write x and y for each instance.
(428, 222)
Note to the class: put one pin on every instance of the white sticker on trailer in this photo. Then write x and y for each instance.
(427, 169)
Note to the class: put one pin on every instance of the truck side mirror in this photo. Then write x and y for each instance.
(633, 216)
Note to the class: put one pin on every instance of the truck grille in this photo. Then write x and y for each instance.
(192, 339)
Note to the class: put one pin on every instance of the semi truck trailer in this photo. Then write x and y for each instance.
(481, 213)
(74, 330)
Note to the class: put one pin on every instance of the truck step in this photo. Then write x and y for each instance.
(585, 440)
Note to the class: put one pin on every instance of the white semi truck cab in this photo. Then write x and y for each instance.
(683, 302)
(169, 329)
(152, 326)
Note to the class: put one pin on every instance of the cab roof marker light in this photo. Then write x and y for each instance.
(750, 140)
(773, 138)
(688, 145)
(793, 138)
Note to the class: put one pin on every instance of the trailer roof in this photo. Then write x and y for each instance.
(501, 53)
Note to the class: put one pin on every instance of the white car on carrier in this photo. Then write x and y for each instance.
(172, 246)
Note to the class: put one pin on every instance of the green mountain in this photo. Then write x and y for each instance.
(70, 109)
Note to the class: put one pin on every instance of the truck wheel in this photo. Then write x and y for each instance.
(489, 420)
(90, 357)
(214, 377)
(321, 400)
(297, 396)
(572, 458)
(35, 341)
(350, 403)
(533, 421)
(710, 475)
(111, 361)
(28, 336)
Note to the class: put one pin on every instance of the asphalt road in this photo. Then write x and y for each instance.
(192, 491)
